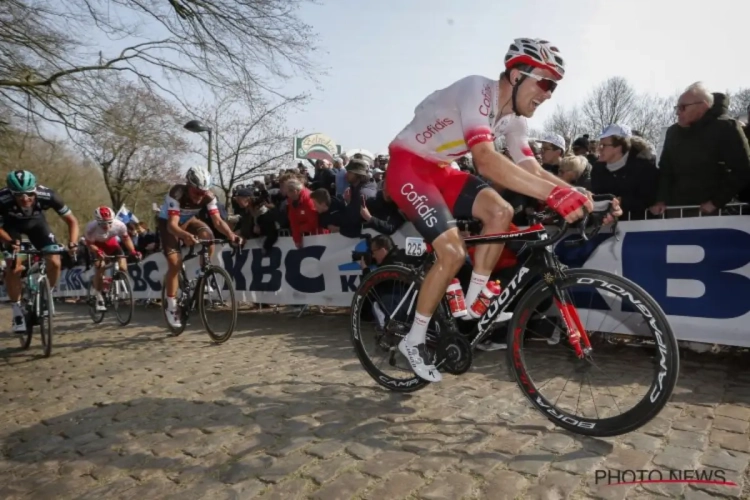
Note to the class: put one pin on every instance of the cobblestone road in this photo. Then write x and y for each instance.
(284, 411)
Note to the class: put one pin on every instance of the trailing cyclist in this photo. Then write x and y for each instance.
(22, 207)
(102, 235)
(448, 124)
(178, 221)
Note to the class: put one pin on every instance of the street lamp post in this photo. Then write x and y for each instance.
(197, 127)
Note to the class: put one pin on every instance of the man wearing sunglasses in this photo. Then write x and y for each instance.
(104, 235)
(22, 207)
(178, 221)
(449, 123)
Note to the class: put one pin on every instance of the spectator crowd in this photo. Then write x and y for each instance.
(704, 164)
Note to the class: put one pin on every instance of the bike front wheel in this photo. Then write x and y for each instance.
(122, 298)
(45, 315)
(591, 402)
(96, 316)
(217, 304)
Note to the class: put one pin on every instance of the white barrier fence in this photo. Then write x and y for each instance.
(698, 269)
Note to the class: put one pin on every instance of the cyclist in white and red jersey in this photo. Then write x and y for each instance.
(103, 237)
(448, 124)
(177, 221)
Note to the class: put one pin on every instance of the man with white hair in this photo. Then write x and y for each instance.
(705, 159)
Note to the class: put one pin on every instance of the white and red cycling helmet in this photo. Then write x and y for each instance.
(104, 214)
(537, 53)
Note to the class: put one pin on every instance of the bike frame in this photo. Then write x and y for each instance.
(204, 262)
(540, 263)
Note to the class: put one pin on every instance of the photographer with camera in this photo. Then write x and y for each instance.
(381, 251)
(256, 218)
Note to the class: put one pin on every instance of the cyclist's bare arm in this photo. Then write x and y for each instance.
(5, 237)
(221, 225)
(500, 170)
(128, 242)
(72, 223)
(532, 166)
(173, 226)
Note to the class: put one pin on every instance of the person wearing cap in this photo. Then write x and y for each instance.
(360, 189)
(377, 177)
(553, 149)
(626, 169)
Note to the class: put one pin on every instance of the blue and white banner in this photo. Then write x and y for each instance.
(697, 269)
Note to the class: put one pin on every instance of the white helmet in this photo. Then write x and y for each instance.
(537, 53)
(104, 214)
(199, 178)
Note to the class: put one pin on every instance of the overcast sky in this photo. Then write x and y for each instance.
(386, 56)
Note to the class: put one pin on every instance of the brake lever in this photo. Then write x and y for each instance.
(582, 222)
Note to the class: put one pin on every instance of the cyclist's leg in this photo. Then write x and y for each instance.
(201, 230)
(468, 196)
(409, 185)
(170, 246)
(13, 283)
(13, 274)
(41, 236)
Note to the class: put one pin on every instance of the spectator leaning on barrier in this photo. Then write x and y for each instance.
(330, 210)
(360, 189)
(705, 159)
(381, 214)
(302, 215)
(626, 169)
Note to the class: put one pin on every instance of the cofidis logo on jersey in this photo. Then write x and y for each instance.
(419, 202)
(484, 108)
(433, 129)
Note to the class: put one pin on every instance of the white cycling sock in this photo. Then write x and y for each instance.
(476, 285)
(171, 303)
(17, 309)
(418, 332)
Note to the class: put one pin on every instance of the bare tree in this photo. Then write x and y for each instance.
(50, 66)
(250, 141)
(611, 102)
(739, 102)
(650, 114)
(137, 143)
(568, 123)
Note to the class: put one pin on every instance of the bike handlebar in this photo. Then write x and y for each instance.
(602, 208)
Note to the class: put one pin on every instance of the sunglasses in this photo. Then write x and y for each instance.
(30, 194)
(683, 107)
(546, 84)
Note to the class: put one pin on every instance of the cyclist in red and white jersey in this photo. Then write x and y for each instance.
(448, 124)
(103, 237)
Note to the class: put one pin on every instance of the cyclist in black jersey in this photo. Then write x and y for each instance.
(22, 207)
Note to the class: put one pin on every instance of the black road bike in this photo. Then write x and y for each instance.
(36, 295)
(541, 286)
(212, 290)
(117, 292)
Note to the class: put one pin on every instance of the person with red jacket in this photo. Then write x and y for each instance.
(301, 211)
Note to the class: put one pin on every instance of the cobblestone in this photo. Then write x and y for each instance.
(132, 413)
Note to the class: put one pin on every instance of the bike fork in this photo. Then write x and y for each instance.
(576, 331)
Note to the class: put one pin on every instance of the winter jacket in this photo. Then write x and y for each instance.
(706, 161)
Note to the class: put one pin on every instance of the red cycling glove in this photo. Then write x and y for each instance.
(564, 200)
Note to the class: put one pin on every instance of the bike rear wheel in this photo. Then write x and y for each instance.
(122, 298)
(45, 315)
(388, 296)
(523, 352)
(221, 304)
